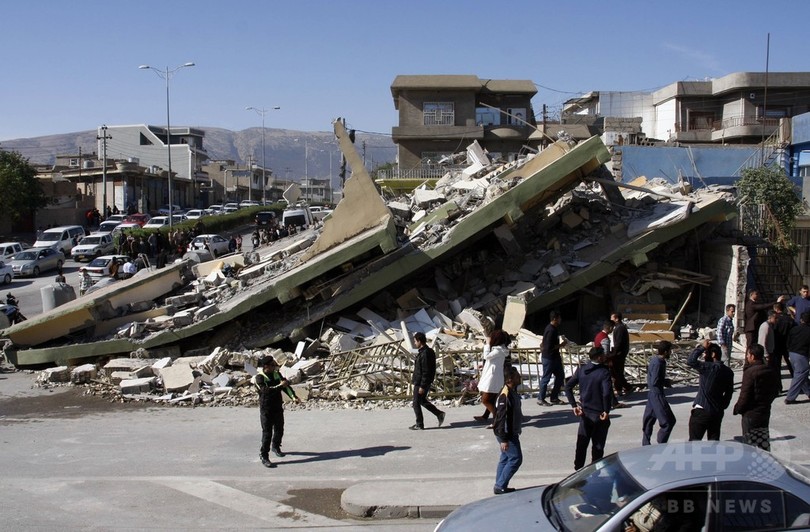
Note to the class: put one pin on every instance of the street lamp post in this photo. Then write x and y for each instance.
(167, 74)
(263, 112)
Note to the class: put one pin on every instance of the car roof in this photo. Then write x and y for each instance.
(657, 465)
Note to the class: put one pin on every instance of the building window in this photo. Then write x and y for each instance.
(143, 141)
(485, 116)
(439, 113)
(73, 163)
(516, 116)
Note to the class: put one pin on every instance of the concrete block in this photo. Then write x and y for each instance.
(137, 385)
(423, 198)
(181, 320)
(571, 219)
(83, 374)
(143, 371)
(164, 362)
(116, 377)
(293, 375)
(204, 312)
(410, 300)
(308, 367)
(507, 240)
(222, 380)
(177, 377)
(514, 315)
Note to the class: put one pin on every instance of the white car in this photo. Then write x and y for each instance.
(163, 221)
(93, 246)
(101, 266)
(176, 209)
(108, 226)
(9, 249)
(116, 218)
(6, 273)
(214, 209)
(230, 207)
(248, 203)
(195, 214)
(216, 245)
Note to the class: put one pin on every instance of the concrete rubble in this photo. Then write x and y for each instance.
(558, 228)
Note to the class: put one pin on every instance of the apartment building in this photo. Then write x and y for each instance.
(441, 115)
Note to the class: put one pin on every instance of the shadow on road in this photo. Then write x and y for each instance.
(367, 452)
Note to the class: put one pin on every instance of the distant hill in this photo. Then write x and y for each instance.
(284, 149)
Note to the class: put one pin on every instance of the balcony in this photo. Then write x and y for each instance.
(743, 126)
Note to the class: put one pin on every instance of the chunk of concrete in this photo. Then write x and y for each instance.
(558, 273)
(514, 315)
(83, 374)
(132, 386)
(177, 378)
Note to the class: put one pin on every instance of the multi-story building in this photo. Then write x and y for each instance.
(149, 146)
(441, 115)
(739, 108)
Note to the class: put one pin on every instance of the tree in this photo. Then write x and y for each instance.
(21, 190)
(771, 187)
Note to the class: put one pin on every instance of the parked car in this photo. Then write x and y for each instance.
(265, 219)
(115, 218)
(100, 266)
(8, 249)
(93, 245)
(248, 203)
(298, 216)
(6, 272)
(37, 260)
(195, 214)
(214, 209)
(163, 221)
(176, 209)
(215, 244)
(230, 207)
(60, 238)
(138, 218)
(700, 485)
(319, 213)
(107, 226)
(123, 228)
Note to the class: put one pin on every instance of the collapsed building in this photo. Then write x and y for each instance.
(491, 245)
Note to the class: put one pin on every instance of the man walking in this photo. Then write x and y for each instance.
(799, 348)
(800, 304)
(781, 331)
(596, 397)
(552, 361)
(725, 331)
(658, 408)
(715, 388)
(766, 337)
(755, 314)
(424, 371)
(270, 384)
(760, 386)
(621, 348)
(507, 428)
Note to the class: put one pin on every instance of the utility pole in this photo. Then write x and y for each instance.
(103, 138)
(250, 176)
(364, 154)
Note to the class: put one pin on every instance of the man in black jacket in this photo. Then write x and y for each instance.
(269, 383)
(715, 388)
(621, 348)
(507, 428)
(760, 386)
(424, 371)
(596, 397)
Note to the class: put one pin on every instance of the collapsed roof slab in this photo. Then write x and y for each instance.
(617, 248)
(552, 173)
(83, 313)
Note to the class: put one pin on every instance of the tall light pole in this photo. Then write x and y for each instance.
(262, 112)
(167, 75)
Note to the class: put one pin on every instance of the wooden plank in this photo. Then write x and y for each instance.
(652, 336)
(647, 316)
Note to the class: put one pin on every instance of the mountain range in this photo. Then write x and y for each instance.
(288, 154)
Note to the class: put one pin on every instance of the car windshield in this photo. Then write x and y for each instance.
(25, 255)
(50, 237)
(99, 262)
(589, 497)
(91, 240)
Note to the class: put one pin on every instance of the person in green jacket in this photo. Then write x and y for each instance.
(269, 383)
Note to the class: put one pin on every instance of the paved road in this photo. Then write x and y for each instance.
(71, 462)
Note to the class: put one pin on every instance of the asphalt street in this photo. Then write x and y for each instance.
(72, 462)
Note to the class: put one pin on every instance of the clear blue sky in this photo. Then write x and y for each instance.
(73, 66)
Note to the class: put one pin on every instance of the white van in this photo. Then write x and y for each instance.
(60, 238)
(298, 216)
(9, 249)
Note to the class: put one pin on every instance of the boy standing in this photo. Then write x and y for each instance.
(507, 428)
(596, 397)
(269, 384)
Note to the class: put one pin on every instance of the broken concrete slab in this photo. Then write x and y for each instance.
(134, 386)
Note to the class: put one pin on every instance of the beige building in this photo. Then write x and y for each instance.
(441, 115)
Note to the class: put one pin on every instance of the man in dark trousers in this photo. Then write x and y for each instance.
(760, 386)
(507, 428)
(658, 408)
(781, 330)
(621, 348)
(269, 384)
(552, 361)
(424, 371)
(715, 388)
(755, 314)
(596, 398)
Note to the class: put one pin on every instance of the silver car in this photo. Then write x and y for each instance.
(33, 261)
(676, 486)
